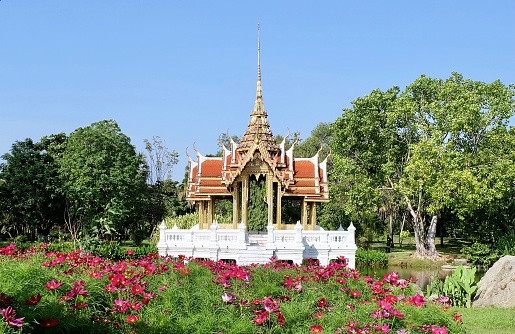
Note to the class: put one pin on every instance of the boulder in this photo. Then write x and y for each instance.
(497, 287)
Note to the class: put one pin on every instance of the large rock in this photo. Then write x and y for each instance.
(497, 287)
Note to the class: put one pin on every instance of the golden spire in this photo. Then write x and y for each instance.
(258, 128)
(258, 105)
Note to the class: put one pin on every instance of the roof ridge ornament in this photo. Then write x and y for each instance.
(258, 130)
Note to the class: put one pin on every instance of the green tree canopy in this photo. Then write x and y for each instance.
(433, 147)
(31, 200)
(104, 179)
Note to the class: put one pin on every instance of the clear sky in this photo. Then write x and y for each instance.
(186, 70)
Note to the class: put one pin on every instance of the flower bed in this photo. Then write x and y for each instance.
(72, 292)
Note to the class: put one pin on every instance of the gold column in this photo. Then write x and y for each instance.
(278, 209)
(304, 213)
(236, 205)
(270, 198)
(245, 200)
(313, 215)
(210, 211)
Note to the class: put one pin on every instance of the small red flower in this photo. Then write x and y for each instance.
(457, 317)
(355, 293)
(132, 319)
(322, 303)
(129, 252)
(53, 285)
(315, 329)
(47, 323)
(79, 305)
(34, 300)
(137, 289)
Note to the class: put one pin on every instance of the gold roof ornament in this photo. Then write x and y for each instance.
(258, 131)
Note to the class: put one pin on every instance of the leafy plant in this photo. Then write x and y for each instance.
(506, 244)
(460, 287)
(480, 254)
(371, 258)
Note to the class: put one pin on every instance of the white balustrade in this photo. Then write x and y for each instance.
(294, 245)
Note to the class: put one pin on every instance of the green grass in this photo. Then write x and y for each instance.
(489, 320)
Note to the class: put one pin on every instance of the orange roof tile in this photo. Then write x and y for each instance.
(303, 169)
(212, 168)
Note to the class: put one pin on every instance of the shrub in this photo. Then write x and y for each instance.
(480, 254)
(506, 244)
(137, 237)
(460, 287)
(371, 258)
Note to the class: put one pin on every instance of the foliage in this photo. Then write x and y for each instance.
(31, 199)
(79, 292)
(403, 236)
(258, 208)
(104, 179)
(480, 254)
(439, 145)
(160, 160)
(506, 243)
(460, 287)
(371, 258)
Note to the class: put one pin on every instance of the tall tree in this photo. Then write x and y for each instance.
(429, 146)
(104, 180)
(31, 194)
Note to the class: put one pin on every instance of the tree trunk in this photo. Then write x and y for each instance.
(424, 243)
(430, 238)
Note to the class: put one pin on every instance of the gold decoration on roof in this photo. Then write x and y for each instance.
(258, 131)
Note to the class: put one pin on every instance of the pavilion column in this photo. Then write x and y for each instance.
(304, 213)
(313, 215)
(210, 211)
(278, 208)
(236, 205)
(270, 198)
(203, 215)
(245, 200)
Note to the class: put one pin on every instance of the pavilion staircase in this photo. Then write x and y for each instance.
(256, 249)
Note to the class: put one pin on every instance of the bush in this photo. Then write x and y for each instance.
(460, 287)
(506, 244)
(480, 254)
(371, 258)
(137, 237)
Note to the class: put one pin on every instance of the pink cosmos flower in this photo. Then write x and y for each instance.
(280, 319)
(228, 299)
(382, 329)
(48, 323)
(315, 329)
(34, 300)
(79, 305)
(53, 285)
(355, 293)
(270, 304)
(417, 300)
(9, 315)
(438, 330)
(261, 317)
(132, 319)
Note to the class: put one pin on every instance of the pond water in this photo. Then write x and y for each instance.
(423, 276)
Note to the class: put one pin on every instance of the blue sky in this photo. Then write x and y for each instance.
(186, 70)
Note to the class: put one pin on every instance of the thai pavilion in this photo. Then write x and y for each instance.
(257, 157)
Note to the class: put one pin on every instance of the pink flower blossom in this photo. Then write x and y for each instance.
(9, 315)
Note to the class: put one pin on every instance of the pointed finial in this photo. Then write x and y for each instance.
(259, 50)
